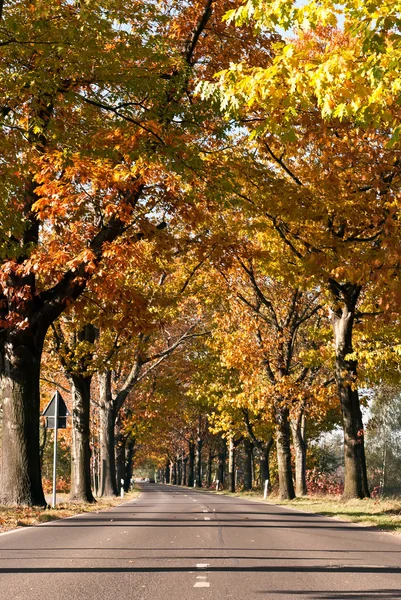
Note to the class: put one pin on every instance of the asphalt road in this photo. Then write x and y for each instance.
(179, 544)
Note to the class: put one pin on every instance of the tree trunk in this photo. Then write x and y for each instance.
(167, 472)
(120, 458)
(299, 440)
(107, 437)
(174, 477)
(184, 470)
(179, 469)
(191, 464)
(129, 463)
(20, 355)
(221, 470)
(342, 317)
(265, 463)
(81, 490)
(286, 486)
(199, 463)
(209, 468)
(231, 465)
(248, 447)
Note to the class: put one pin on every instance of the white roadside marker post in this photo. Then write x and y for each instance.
(266, 489)
(122, 488)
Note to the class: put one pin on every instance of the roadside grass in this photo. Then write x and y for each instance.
(382, 513)
(13, 517)
(385, 513)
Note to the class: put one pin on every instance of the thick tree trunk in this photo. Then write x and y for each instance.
(179, 469)
(107, 437)
(248, 447)
(191, 464)
(298, 430)
(199, 446)
(81, 490)
(231, 465)
(129, 464)
(174, 477)
(265, 463)
(286, 486)
(167, 472)
(343, 316)
(20, 477)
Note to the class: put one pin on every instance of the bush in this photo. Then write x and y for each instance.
(63, 485)
(318, 483)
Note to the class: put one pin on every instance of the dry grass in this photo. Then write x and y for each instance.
(12, 517)
(385, 514)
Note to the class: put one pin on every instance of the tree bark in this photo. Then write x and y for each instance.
(191, 463)
(210, 458)
(120, 457)
(199, 446)
(298, 430)
(343, 316)
(167, 472)
(221, 470)
(179, 469)
(129, 464)
(20, 355)
(107, 437)
(248, 447)
(184, 470)
(286, 486)
(265, 462)
(81, 490)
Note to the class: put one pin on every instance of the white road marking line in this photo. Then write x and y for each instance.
(202, 565)
(207, 518)
(205, 510)
(201, 577)
(202, 584)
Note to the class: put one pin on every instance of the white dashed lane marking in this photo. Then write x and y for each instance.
(202, 583)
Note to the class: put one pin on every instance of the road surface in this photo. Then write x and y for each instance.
(180, 544)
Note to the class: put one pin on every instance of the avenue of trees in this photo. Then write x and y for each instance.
(200, 242)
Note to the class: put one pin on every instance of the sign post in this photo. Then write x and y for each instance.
(56, 413)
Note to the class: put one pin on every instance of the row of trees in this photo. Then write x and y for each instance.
(151, 211)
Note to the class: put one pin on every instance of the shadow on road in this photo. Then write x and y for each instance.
(324, 595)
(212, 569)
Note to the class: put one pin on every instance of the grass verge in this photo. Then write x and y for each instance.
(13, 517)
(385, 514)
